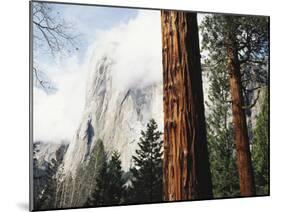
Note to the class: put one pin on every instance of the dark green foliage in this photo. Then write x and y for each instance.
(251, 44)
(100, 181)
(89, 173)
(99, 196)
(115, 183)
(37, 188)
(220, 137)
(260, 149)
(109, 183)
(46, 198)
(146, 182)
(74, 191)
(251, 36)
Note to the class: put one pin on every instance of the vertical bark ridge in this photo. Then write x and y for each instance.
(186, 166)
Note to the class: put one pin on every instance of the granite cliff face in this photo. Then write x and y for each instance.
(116, 117)
(113, 113)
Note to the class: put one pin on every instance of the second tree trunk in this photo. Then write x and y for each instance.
(244, 164)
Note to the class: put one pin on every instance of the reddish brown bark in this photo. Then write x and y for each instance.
(186, 165)
(244, 164)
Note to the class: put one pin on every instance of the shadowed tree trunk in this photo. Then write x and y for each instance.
(244, 164)
(186, 169)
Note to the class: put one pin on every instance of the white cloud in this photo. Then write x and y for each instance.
(138, 62)
(136, 50)
(57, 116)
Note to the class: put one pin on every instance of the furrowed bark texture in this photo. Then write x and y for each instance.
(186, 169)
(244, 164)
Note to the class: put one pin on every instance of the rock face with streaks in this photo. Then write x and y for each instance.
(114, 114)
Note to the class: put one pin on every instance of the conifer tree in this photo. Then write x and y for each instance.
(242, 42)
(260, 149)
(88, 173)
(220, 133)
(115, 181)
(97, 165)
(47, 196)
(99, 196)
(147, 173)
(109, 183)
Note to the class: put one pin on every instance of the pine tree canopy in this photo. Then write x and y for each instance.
(147, 173)
(260, 148)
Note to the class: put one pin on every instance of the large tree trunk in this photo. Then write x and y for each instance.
(244, 164)
(186, 166)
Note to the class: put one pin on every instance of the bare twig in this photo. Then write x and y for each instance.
(52, 32)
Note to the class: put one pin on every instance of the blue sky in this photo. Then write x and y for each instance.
(87, 21)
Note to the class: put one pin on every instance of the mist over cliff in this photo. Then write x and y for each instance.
(122, 93)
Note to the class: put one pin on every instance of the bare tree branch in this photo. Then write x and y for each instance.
(41, 81)
(53, 33)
